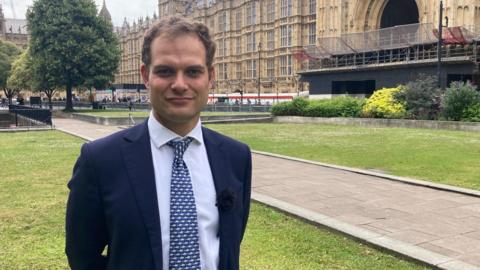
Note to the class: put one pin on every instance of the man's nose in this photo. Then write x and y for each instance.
(179, 83)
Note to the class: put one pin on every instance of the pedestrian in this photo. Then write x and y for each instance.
(167, 193)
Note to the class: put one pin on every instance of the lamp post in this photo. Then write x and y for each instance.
(439, 45)
(258, 82)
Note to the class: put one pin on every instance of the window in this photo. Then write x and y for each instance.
(285, 35)
(271, 39)
(312, 34)
(271, 11)
(271, 68)
(222, 21)
(251, 14)
(223, 71)
(251, 42)
(239, 19)
(312, 7)
(285, 8)
(285, 65)
(239, 70)
(251, 68)
(222, 47)
(238, 45)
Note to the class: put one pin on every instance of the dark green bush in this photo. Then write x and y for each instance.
(335, 107)
(459, 100)
(472, 113)
(422, 98)
(294, 107)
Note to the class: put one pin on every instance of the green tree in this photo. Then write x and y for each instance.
(71, 45)
(8, 53)
(422, 98)
(21, 73)
(459, 98)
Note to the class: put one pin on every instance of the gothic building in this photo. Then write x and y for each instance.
(13, 30)
(281, 46)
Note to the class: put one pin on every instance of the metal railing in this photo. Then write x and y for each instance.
(30, 116)
(411, 54)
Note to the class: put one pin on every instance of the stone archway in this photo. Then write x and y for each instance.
(399, 12)
(368, 14)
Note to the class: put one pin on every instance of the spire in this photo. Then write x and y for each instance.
(104, 13)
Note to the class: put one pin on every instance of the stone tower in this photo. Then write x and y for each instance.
(104, 13)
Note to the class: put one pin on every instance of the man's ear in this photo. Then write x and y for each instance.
(144, 71)
(211, 78)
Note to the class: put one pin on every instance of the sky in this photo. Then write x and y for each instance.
(119, 9)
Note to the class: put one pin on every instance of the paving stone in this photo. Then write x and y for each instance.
(413, 237)
(459, 243)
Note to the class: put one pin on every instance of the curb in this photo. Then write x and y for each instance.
(405, 180)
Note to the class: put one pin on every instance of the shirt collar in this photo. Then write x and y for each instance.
(160, 135)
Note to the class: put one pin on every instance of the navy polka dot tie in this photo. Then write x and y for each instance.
(184, 248)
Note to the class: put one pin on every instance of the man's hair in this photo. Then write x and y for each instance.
(174, 27)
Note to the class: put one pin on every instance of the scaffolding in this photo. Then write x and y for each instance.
(413, 42)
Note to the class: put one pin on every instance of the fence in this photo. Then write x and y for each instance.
(218, 107)
(397, 37)
(29, 116)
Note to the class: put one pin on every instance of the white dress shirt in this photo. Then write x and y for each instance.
(196, 159)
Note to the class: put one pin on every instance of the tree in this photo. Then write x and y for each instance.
(71, 45)
(21, 73)
(8, 53)
(422, 98)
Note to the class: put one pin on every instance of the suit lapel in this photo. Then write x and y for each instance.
(138, 160)
(221, 174)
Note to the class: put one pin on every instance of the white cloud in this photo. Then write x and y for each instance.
(119, 9)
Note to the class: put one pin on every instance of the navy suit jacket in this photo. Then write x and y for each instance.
(113, 201)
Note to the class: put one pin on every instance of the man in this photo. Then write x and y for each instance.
(168, 193)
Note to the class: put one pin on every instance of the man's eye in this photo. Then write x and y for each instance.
(193, 72)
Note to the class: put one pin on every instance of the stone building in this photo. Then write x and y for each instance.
(278, 46)
(13, 30)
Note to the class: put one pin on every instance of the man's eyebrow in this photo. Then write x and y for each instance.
(171, 67)
(197, 67)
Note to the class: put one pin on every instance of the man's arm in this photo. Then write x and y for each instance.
(247, 185)
(86, 234)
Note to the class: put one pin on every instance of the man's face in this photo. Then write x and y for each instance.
(178, 80)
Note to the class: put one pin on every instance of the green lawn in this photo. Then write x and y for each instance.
(447, 157)
(35, 167)
(125, 113)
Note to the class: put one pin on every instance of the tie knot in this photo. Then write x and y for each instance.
(180, 146)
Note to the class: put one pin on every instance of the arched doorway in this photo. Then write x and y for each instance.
(399, 12)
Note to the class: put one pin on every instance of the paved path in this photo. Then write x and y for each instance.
(439, 227)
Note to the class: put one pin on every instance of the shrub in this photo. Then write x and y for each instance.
(472, 113)
(335, 107)
(422, 98)
(459, 100)
(382, 104)
(294, 107)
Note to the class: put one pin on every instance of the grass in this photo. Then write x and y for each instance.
(36, 166)
(124, 113)
(447, 157)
